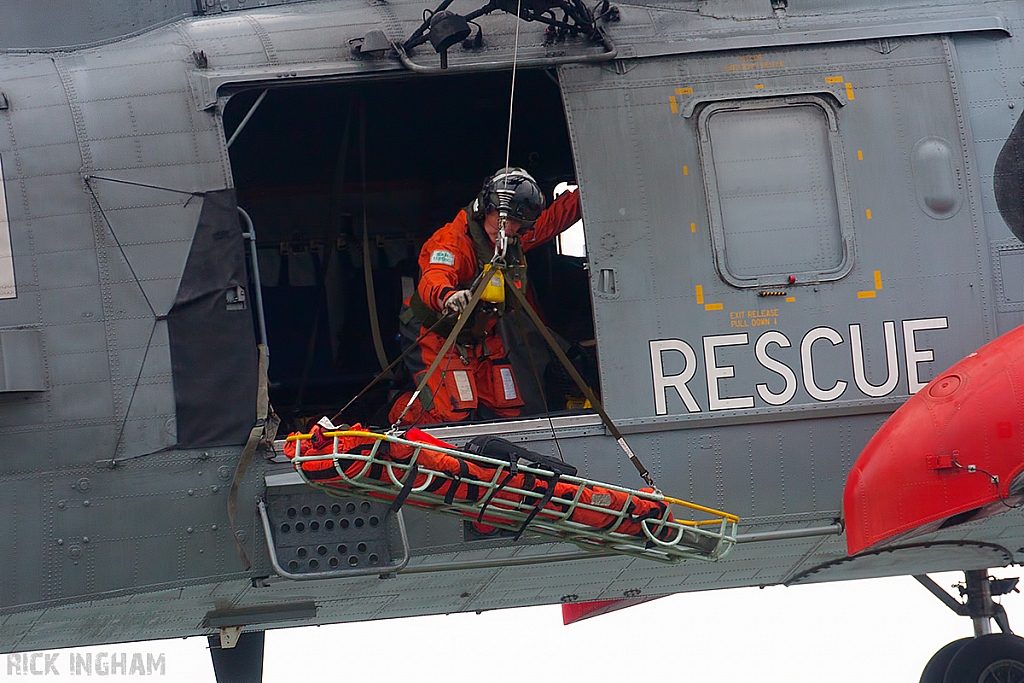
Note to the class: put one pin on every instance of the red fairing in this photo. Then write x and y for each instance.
(914, 476)
(578, 611)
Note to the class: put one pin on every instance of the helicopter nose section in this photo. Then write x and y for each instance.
(954, 452)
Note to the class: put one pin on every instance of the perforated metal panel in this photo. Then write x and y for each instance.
(314, 532)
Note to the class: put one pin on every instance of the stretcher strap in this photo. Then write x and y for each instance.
(544, 500)
(571, 369)
(410, 481)
(497, 489)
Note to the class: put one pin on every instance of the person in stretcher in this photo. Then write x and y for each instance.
(476, 379)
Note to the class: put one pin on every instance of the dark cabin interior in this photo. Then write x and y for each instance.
(405, 154)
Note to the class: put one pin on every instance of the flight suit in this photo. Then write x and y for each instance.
(477, 372)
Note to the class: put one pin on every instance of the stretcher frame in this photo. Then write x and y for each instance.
(709, 536)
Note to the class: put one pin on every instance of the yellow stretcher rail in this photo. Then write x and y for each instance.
(707, 534)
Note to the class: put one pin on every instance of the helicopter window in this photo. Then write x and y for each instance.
(340, 180)
(774, 182)
(572, 242)
(7, 288)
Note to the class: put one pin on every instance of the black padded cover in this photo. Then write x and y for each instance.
(213, 346)
(1008, 178)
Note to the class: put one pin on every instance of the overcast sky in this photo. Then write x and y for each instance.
(877, 631)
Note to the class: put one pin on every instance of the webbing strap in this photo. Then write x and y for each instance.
(410, 481)
(453, 487)
(571, 369)
(497, 489)
(466, 314)
(255, 436)
(371, 300)
(544, 500)
(371, 296)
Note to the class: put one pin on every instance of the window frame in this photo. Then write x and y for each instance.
(844, 208)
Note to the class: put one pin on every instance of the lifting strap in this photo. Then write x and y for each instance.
(371, 300)
(371, 296)
(255, 436)
(478, 290)
(571, 369)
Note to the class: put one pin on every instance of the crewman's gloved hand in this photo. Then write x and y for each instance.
(457, 301)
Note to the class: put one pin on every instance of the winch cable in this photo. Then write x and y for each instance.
(512, 94)
(644, 474)
(501, 243)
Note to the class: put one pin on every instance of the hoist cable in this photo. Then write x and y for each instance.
(512, 93)
(501, 240)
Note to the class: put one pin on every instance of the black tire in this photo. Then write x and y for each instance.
(935, 669)
(995, 658)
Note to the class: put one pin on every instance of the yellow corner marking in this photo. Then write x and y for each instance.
(672, 102)
(684, 91)
(849, 92)
(693, 227)
(867, 212)
(759, 86)
(790, 299)
(878, 279)
(834, 79)
(860, 155)
(700, 294)
(686, 170)
(713, 307)
(866, 295)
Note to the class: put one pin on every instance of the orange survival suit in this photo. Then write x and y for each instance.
(477, 374)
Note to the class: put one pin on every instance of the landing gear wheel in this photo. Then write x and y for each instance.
(935, 669)
(995, 658)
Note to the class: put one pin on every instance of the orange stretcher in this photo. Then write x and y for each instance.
(533, 494)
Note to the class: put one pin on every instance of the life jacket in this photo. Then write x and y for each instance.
(484, 314)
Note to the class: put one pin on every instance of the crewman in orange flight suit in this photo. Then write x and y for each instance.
(476, 379)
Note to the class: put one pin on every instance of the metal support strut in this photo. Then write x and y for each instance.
(978, 588)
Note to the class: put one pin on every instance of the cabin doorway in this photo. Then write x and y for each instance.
(317, 166)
